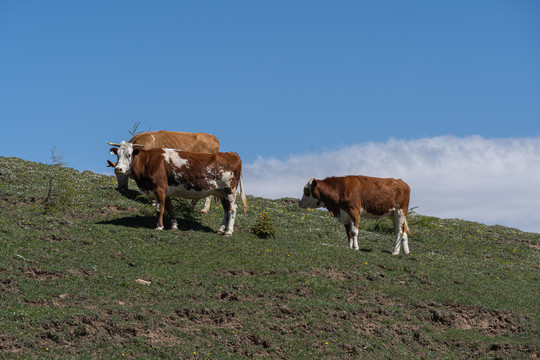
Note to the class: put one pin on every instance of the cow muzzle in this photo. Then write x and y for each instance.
(120, 171)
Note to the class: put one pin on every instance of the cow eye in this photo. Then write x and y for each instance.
(306, 192)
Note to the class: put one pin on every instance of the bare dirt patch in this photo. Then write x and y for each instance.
(8, 286)
(40, 274)
(489, 322)
(533, 246)
(196, 319)
(116, 210)
(332, 274)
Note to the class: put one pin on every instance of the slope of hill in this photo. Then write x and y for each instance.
(85, 275)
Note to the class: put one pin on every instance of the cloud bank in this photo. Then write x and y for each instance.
(493, 181)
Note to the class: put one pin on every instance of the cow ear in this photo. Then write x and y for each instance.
(114, 150)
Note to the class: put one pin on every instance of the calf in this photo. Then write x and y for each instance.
(162, 173)
(349, 197)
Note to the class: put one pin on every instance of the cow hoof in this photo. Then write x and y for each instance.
(204, 212)
(221, 230)
(227, 235)
(395, 253)
(160, 228)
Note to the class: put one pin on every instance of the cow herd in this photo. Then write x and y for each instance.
(189, 165)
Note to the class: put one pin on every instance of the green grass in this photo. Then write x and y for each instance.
(69, 289)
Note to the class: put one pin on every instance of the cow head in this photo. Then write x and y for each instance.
(309, 200)
(125, 152)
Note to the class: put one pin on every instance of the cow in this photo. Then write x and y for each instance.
(162, 173)
(195, 142)
(349, 197)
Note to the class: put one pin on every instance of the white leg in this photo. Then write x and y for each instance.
(401, 236)
(397, 247)
(354, 233)
(206, 206)
(232, 218)
(174, 224)
(405, 242)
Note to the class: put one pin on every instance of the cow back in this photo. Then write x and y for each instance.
(194, 142)
(201, 169)
(375, 195)
(379, 195)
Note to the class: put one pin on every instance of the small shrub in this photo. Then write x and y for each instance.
(184, 209)
(60, 192)
(264, 227)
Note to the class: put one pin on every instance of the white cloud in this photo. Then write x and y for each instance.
(494, 181)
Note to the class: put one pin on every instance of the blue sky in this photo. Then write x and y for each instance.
(278, 81)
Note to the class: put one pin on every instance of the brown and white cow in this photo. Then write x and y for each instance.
(349, 197)
(162, 173)
(194, 142)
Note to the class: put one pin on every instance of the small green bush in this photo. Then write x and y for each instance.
(264, 227)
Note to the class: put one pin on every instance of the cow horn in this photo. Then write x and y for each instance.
(111, 164)
(113, 144)
(138, 145)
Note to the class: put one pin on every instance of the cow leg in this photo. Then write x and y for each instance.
(349, 235)
(229, 215)
(170, 209)
(395, 219)
(404, 238)
(399, 221)
(206, 206)
(354, 232)
(160, 201)
(232, 217)
(225, 221)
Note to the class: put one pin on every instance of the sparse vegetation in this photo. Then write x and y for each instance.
(95, 280)
(60, 192)
(134, 131)
(264, 227)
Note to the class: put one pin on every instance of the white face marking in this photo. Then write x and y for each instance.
(125, 158)
(308, 201)
(172, 156)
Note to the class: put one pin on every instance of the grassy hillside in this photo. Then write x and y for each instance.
(85, 275)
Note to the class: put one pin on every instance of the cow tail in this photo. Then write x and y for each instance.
(406, 227)
(243, 196)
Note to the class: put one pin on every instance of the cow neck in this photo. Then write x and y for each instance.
(328, 198)
(137, 165)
